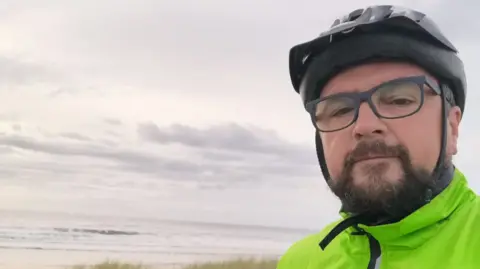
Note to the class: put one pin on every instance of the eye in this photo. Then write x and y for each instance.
(400, 101)
(341, 111)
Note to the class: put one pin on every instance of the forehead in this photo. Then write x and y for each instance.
(366, 76)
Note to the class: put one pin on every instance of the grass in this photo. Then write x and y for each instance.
(236, 264)
(233, 264)
(111, 265)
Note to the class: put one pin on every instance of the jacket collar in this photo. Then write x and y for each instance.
(424, 223)
(419, 226)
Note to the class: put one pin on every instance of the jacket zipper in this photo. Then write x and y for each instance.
(375, 252)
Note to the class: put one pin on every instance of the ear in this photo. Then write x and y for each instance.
(453, 123)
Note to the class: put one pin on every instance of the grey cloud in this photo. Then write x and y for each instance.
(63, 91)
(15, 71)
(9, 8)
(29, 143)
(6, 150)
(244, 154)
(114, 122)
(215, 155)
(74, 90)
(123, 38)
(217, 137)
(112, 133)
(45, 167)
(108, 142)
(6, 174)
(234, 140)
(9, 116)
(133, 160)
(76, 136)
(220, 156)
(17, 127)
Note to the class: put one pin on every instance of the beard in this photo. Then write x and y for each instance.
(380, 196)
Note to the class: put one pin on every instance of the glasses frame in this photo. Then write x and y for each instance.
(366, 96)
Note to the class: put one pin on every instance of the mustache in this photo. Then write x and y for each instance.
(373, 149)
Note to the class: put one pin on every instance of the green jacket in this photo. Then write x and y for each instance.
(445, 233)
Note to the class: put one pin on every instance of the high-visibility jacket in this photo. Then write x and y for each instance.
(445, 233)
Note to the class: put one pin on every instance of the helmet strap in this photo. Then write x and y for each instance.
(321, 156)
(441, 166)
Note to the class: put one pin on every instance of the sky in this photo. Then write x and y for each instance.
(177, 109)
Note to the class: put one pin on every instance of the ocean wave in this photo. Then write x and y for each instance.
(95, 231)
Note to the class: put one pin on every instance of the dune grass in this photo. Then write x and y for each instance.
(111, 265)
(232, 264)
(236, 264)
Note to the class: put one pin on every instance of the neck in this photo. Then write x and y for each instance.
(443, 180)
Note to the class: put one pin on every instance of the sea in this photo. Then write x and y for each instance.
(60, 240)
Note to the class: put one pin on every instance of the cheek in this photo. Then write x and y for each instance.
(335, 147)
(424, 134)
(423, 145)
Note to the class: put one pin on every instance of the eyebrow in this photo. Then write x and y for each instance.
(346, 90)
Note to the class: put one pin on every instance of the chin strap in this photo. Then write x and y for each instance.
(321, 157)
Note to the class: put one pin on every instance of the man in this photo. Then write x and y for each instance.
(386, 92)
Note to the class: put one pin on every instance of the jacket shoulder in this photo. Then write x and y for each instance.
(301, 253)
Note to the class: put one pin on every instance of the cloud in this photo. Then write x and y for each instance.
(228, 139)
(63, 91)
(76, 136)
(17, 127)
(131, 44)
(20, 72)
(221, 155)
(73, 91)
(9, 116)
(114, 122)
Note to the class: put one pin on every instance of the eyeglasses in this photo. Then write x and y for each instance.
(394, 99)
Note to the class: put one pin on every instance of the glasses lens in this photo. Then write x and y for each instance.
(334, 113)
(398, 99)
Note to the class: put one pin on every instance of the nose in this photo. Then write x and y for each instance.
(368, 125)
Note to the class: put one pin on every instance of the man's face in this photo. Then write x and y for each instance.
(403, 151)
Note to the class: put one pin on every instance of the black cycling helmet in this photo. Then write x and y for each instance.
(378, 32)
(383, 32)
